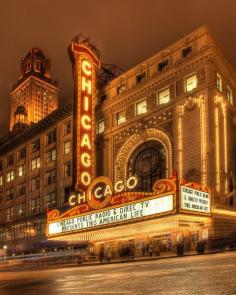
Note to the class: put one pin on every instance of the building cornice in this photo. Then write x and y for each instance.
(34, 76)
(169, 76)
(14, 139)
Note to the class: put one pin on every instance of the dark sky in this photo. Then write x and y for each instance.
(126, 31)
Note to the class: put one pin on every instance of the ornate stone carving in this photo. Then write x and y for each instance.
(117, 146)
(172, 91)
(162, 120)
(201, 76)
(193, 175)
(190, 105)
(179, 87)
(164, 186)
(168, 126)
(130, 111)
(151, 101)
(127, 148)
(107, 122)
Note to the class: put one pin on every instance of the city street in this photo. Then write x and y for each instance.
(208, 274)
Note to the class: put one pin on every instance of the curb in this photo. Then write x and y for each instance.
(12, 269)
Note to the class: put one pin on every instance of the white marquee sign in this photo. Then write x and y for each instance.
(113, 215)
(195, 200)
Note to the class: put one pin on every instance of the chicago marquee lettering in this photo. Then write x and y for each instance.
(86, 121)
(85, 61)
(101, 188)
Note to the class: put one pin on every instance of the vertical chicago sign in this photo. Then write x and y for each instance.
(85, 60)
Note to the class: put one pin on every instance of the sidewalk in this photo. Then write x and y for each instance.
(97, 262)
(148, 258)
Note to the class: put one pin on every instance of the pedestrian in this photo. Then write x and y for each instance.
(108, 254)
(147, 249)
(150, 250)
(129, 252)
(101, 255)
(132, 251)
(144, 250)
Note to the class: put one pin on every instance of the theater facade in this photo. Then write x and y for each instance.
(146, 159)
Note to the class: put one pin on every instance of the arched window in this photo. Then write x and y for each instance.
(148, 163)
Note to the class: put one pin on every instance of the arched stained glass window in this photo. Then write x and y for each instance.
(148, 163)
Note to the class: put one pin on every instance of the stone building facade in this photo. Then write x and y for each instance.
(173, 113)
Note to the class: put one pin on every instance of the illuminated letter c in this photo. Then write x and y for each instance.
(71, 200)
(98, 196)
(86, 67)
(85, 121)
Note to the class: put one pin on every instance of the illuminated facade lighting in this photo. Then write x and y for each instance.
(85, 62)
(164, 136)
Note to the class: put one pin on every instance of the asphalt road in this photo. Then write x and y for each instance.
(208, 274)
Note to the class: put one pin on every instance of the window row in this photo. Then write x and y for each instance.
(49, 202)
(161, 66)
(22, 230)
(35, 163)
(35, 146)
(162, 97)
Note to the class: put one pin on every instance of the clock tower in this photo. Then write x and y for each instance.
(34, 91)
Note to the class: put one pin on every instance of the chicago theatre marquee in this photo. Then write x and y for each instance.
(151, 154)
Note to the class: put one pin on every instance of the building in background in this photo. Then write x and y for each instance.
(35, 94)
(173, 113)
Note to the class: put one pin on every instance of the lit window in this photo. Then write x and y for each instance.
(230, 95)
(191, 82)
(141, 107)
(164, 96)
(120, 117)
(21, 170)
(10, 176)
(67, 169)
(1, 180)
(51, 156)
(218, 82)
(67, 147)
(100, 127)
(35, 163)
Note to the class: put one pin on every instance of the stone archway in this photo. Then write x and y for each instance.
(126, 150)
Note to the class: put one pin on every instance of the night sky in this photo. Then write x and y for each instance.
(126, 32)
